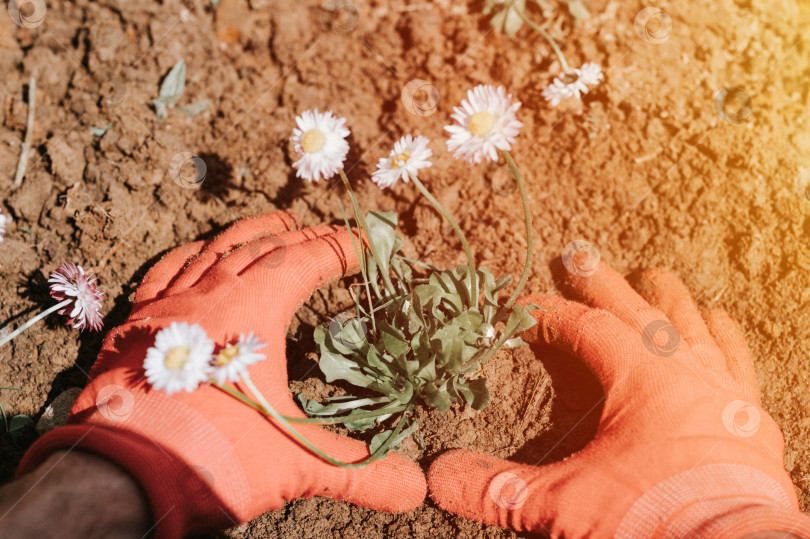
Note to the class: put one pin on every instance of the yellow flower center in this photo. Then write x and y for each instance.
(481, 123)
(313, 140)
(176, 358)
(227, 354)
(400, 159)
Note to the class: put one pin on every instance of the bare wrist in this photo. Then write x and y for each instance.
(78, 493)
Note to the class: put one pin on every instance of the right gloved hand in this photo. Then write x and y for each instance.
(683, 448)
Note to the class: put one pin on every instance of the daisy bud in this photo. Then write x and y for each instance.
(486, 123)
(408, 156)
(320, 139)
(69, 282)
(233, 360)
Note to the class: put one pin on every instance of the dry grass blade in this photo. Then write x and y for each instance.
(25, 149)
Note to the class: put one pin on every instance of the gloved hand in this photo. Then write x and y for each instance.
(683, 447)
(204, 459)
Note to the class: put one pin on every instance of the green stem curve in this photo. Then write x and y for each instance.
(527, 215)
(382, 450)
(464, 245)
(542, 31)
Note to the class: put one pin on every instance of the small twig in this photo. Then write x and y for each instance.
(22, 164)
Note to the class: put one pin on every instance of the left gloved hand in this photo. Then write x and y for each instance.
(204, 459)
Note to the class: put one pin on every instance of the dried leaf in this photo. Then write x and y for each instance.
(195, 108)
(171, 89)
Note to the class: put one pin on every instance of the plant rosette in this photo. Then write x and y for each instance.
(421, 334)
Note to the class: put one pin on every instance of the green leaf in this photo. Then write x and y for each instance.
(437, 397)
(195, 108)
(480, 392)
(383, 370)
(382, 234)
(381, 438)
(406, 394)
(519, 320)
(340, 406)
(446, 344)
(335, 366)
(19, 427)
(171, 89)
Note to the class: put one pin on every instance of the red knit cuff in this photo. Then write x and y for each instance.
(179, 494)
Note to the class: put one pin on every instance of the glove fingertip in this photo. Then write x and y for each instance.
(455, 474)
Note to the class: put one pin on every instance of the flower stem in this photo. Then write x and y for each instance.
(334, 420)
(362, 220)
(540, 30)
(33, 321)
(359, 253)
(459, 233)
(383, 449)
(527, 214)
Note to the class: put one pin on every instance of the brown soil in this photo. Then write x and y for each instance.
(644, 168)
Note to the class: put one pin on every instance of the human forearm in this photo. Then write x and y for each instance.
(74, 494)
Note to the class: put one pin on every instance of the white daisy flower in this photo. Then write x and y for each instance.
(234, 359)
(180, 358)
(486, 123)
(2, 225)
(320, 138)
(408, 156)
(573, 84)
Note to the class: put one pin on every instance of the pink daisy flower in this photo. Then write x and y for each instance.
(70, 283)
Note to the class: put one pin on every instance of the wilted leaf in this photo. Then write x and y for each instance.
(195, 108)
(171, 89)
(100, 131)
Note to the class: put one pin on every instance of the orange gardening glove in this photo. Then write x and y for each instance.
(204, 459)
(683, 448)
